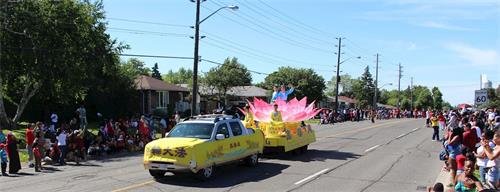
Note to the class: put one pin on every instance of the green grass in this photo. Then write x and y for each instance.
(23, 156)
(312, 121)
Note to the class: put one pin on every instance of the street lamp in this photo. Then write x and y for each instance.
(196, 55)
(390, 84)
(338, 80)
(376, 93)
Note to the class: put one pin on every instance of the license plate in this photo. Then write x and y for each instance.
(159, 166)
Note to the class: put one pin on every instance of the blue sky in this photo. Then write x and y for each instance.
(444, 43)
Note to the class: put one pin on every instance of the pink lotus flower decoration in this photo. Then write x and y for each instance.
(293, 111)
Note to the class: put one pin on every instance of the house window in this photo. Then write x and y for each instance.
(162, 99)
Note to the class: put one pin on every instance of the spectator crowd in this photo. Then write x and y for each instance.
(328, 116)
(55, 143)
(471, 141)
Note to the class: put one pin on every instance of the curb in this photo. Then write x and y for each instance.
(444, 178)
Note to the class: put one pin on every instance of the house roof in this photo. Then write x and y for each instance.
(239, 91)
(343, 99)
(143, 82)
(248, 91)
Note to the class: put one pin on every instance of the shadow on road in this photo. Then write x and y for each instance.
(227, 176)
(314, 155)
(47, 169)
(20, 174)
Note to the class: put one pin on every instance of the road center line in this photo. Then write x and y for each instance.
(312, 176)
(371, 148)
(134, 186)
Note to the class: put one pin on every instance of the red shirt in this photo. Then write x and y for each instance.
(460, 161)
(470, 139)
(36, 152)
(30, 136)
(441, 118)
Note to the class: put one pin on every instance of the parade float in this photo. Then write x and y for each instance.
(289, 132)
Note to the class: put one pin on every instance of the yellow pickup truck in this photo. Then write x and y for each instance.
(286, 136)
(200, 144)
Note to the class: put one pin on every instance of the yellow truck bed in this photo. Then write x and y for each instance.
(286, 136)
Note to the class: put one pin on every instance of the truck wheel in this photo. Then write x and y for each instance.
(205, 173)
(252, 160)
(157, 173)
(303, 149)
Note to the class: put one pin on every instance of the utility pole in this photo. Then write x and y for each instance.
(399, 85)
(411, 96)
(338, 77)
(376, 85)
(196, 59)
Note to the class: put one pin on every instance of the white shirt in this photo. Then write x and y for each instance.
(61, 139)
(491, 116)
(481, 162)
(427, 114)
(478, 131)
(54, 118)
(491, 163)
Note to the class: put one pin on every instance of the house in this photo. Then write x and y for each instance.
(157, 94)
(344, 102)
(208, 97)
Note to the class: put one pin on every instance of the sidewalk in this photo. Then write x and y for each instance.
(444, 178)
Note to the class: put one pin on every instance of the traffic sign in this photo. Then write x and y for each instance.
(481, 97)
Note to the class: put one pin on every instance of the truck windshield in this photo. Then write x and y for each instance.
(193, 130)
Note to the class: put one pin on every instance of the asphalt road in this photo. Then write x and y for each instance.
(391, 155)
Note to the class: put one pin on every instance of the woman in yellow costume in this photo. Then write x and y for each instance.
(249, 120)
(276, 115)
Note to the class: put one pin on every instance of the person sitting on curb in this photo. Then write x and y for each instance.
(3, 159)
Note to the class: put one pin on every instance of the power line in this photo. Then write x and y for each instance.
(297, 22)
(217, 63)
(291, 29)
(148, 32)
(155, 56)
(232, 43)
(148, 22)
(243, 52)
(177, 57)
(269, 32)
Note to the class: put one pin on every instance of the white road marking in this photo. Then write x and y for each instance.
(312, 176)
(402, 135)
(415, 129)
(371, 148)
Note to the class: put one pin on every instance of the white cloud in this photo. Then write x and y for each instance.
(412, 11)
(474, 55)
(436, 25)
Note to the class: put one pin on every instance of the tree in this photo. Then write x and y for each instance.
(345, 85)
(230, 74)
(55, 46)
(364, 90)
(306, 82)
(156, 74)
(424, 99)
(134, 67)
(405, 104)
(182, 76)
(437, 98)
